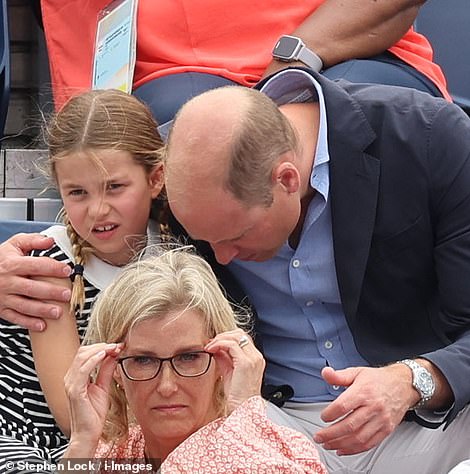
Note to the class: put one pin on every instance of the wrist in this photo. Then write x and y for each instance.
(292, 49)
(80, 448)
(422, 382)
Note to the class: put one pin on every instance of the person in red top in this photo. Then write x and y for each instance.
(186, 47)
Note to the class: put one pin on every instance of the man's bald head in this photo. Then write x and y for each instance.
(227, 139)
(198, 147)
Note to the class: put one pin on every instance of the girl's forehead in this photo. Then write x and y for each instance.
(101, 165)
(97, 155)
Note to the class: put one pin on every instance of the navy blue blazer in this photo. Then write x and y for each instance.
(400, 204)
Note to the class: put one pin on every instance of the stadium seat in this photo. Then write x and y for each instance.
(446, 23)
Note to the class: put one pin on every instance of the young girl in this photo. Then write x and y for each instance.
(104, 156)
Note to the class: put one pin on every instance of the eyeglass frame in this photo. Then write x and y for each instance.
(165, 359)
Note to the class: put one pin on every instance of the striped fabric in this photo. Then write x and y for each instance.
(28, 431)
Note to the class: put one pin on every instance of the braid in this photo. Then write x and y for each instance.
(79, 251)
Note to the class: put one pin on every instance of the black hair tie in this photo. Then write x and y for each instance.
(76, 270)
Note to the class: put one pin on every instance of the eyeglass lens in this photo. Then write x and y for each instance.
(188, 364)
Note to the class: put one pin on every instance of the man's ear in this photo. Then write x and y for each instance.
(287, 175)
(156, 180)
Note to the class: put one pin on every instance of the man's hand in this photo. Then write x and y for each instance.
(372, 406)
(21, 298)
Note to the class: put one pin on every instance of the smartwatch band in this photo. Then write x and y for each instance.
(310, 59)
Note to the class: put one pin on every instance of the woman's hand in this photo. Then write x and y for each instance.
(88, 399)
(241, 363)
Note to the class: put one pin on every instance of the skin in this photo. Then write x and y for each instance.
(120, 195)
(191, 400)
(169, 408)
(376, 399)
(117, 196)
(24, 301)
(238, 234)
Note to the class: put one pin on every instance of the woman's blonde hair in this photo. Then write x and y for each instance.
(153, 287)
(93, 121)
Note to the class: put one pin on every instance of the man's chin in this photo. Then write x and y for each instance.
(258, 257)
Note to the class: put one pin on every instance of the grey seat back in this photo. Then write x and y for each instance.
(446, 23)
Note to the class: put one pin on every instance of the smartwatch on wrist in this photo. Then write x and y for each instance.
(290, 48)
(423, 381)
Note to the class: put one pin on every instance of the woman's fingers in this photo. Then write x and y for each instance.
(107, 367)
(236, 339)
(241, 363)
(87, 360)
(239, 346)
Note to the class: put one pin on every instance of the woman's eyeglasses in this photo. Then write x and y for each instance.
(188, 364)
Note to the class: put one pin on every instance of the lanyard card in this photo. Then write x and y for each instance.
(115, 46)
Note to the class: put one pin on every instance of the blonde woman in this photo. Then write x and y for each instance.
(174, 379)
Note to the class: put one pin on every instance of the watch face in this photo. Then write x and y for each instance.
(285, 47)
(425, 383)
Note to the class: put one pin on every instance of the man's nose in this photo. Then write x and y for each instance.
(224, 253)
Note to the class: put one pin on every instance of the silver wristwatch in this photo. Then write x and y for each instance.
(290, 48)
(423, 381)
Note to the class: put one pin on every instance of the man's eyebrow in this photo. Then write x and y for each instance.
(248, 229)
(239, 236)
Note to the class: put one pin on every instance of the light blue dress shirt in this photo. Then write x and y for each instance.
(301, 322)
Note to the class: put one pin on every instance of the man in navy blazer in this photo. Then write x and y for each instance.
(343, 213)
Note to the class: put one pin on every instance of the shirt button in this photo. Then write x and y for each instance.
(328, 344)
(309, 303)
(335, 387)
(296, 263)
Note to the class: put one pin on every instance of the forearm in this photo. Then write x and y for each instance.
(453, 365)
(52, 358)
(54, 350)
(338, 30)
(449, 165)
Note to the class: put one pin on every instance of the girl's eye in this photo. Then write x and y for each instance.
(112, 186)
(76, 192)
